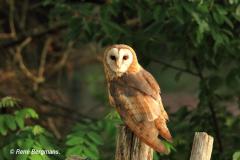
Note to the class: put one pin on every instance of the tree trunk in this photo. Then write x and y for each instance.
(202, 146)
(129, 147)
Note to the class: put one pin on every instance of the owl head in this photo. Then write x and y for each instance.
(120, 59)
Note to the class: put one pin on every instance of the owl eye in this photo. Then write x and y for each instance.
(113, 57)
(125, 57)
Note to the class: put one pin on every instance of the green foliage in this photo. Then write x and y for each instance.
(113, 116)
(10, 122)
(84, 140)
(236, 156)
(89, 139)
(8, 102)
(16, 135)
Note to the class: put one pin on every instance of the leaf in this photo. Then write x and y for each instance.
(45, 142)
(36, 157)
(237, 13)
(76, 133)
(221, 10)
(75, 141)
(31, 113)
(95, 138)
(24, 144)
(36, 130)
(236, 155)
(3, 130)
(113, 115)
(80, 126)
(76, 150)
(91, 146)
(22, 157)
(10, 122)
(27, 143)
(229, 121)
(168, 146)
(232, 79)
(19, 120)
(8, 102)
(112, 29)
(91, 153)
(74, 24)
(215, 82)
(158, 14)
(233, 1)
(26, 113)
(5, 151)
(229, 22)
(219, 19)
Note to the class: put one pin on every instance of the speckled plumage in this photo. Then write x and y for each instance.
(136, 96)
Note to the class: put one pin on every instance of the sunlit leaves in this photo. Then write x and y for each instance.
(236, 156)
(8, 102)
(15, 134)
(169, 146)
(13, 121)
(237, 13)
(113, 116)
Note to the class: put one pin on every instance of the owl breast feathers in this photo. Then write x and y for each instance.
(136, 96)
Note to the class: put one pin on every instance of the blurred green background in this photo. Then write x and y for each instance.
(53, 88)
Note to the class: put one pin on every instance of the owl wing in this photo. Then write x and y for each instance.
(137, 99)
(154, 85)
(148, 94)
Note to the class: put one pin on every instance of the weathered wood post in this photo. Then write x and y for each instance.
(202, 146)
(129, 147)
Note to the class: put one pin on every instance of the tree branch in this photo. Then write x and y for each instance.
(42, 63)
(24, 11)
(63, 59)
(33, 34)
(53, 127)
(44, 56)
(22, 66)
(88, 1)
(11, 19)
(12, 33)
(62, 107)
(186, 70)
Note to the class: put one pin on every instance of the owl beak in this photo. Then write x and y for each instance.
(118, 64)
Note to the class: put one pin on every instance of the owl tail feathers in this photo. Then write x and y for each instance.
(154, 142)
(158, 146)
(148, 134)
(163, 130)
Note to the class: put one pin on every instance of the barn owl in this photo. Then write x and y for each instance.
(136, 96)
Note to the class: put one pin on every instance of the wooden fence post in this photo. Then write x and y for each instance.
(129, 147)
(202, 146)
